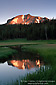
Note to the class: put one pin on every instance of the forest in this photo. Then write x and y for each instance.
(35, 31)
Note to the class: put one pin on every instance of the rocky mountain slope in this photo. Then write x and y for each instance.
(26, 19)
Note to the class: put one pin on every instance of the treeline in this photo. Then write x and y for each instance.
(45, 30)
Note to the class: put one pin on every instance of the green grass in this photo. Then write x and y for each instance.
(48, 75)
(46, 49)
(23, 41)
(5, 52)
(48, 53)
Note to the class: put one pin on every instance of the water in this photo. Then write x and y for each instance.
(18, 66)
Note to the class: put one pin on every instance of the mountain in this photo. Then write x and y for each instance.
(26, 19)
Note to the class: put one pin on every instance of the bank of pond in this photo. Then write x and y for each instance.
(32, 64)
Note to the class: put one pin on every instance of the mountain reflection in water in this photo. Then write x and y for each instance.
(18, 66)
(24, 64)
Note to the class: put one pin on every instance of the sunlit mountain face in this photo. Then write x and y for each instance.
(26, 19)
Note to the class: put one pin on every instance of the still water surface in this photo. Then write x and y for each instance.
(18, 66)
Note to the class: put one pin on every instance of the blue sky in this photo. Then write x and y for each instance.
(11, 8)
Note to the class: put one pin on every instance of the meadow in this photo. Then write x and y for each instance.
(6, 52)
(46, 49)
(48, 54)
(24, 41)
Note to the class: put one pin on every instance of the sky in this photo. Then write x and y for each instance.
(12, 8)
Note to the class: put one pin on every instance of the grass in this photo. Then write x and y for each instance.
(48, 54)
(23, 41)
(46, 49)
(5, 52)
(46, 75)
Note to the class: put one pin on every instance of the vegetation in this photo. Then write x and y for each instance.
(35, 36)
(24, 41)
(46, 49)
(38, 31)
(6, 52)
(48, 54)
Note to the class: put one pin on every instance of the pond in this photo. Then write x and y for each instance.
(18, 66)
